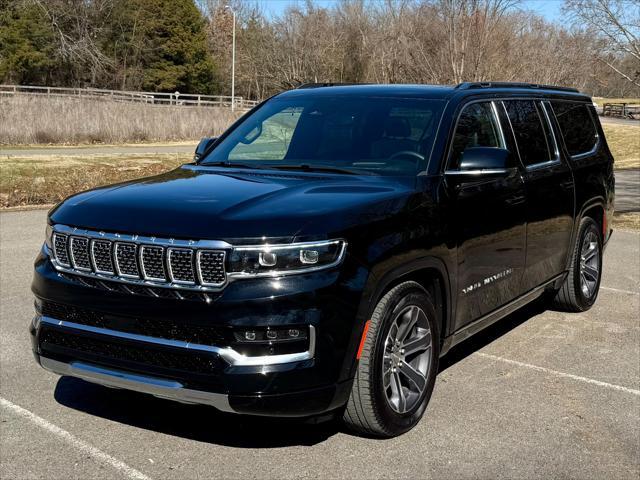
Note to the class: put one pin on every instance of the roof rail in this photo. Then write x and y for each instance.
(472, 85)
(328, 84)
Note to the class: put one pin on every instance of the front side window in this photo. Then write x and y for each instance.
(477, 127)
(576, 125)
(382, 135)
(532, 135)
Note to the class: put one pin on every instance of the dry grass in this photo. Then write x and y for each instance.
(49, 179)
(624, 142)
(41, 120)
(627, 221)
(601, 100)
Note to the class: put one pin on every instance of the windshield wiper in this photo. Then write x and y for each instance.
(236, 165)
(318, 168)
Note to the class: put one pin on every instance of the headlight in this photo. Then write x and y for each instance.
(48, 236)
(274, 260)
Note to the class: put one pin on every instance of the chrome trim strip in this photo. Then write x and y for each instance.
(158, 387)
(478, 172)
(227, 353)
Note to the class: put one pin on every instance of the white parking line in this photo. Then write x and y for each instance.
(611, 289)
(561, 374)
(90, 450)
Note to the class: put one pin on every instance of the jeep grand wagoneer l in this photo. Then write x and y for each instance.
(322, 254)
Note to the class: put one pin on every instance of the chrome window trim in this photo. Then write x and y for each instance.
(93, 259)
(141, 262)
(171, 277)
(199, 272)
(117, 262)
(596, 146)
(231, 356)
(72, 256)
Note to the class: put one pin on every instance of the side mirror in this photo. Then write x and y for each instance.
(203, 147)
(486, 160)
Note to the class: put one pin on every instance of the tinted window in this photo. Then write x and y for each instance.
(531, 135)
(477, 127)
(576, 125)
(386, 135)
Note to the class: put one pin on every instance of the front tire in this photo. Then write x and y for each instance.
(398, 365)
(580, 289)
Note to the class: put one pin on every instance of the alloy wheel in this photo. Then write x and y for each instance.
(589, 264)
(407, 359)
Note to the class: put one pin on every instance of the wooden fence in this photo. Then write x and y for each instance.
(152, 98)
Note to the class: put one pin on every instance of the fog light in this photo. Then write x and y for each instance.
(267, 259)
(294, 332)
(272, 334)
(309, 256)
(250, 335)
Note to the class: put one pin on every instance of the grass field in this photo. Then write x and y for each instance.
(624, 142)
(49, 179)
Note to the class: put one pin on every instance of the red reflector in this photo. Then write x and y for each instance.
(362, 340)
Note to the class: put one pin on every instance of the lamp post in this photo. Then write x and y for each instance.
(233, 60)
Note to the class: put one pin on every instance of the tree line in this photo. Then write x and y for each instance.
(185, 45)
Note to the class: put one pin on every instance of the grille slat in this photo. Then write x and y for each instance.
(211, 267)
(60, 249)
(80, 253)
(181, 265)
(126, 260)
(101, 254)
(152, 263)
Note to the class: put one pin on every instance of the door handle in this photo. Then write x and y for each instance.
(568, 185)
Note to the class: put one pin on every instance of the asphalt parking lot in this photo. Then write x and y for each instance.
(541, 394)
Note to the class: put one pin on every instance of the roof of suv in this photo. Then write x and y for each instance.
(432, 91)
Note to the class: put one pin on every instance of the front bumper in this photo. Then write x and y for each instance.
(297, 384)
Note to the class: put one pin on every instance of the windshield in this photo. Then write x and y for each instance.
(387, 136)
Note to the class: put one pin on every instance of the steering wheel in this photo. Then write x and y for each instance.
(409, 153)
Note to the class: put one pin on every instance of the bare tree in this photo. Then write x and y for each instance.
(617, 23)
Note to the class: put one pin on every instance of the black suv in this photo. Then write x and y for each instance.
(322, 254)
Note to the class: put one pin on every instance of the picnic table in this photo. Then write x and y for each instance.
(624, 110)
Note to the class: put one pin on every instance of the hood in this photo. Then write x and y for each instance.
(196, 202)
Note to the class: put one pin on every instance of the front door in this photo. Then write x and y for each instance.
(488, 214)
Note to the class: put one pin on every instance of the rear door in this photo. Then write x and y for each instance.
(550, 190)
(488, 218)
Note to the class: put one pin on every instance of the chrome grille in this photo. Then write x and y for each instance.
(126, 260)
(60, 249)
(152, 263)
(181, 265)
(80, 253)
(101, 254)
(211, 267)
(133, 263)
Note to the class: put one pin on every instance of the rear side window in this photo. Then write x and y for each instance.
(576, 125)
(477, 127)
(532, 135)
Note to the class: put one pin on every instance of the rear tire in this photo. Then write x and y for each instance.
(403, 333)
(580, 289)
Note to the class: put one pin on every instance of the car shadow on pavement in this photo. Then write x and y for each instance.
(205, 424)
